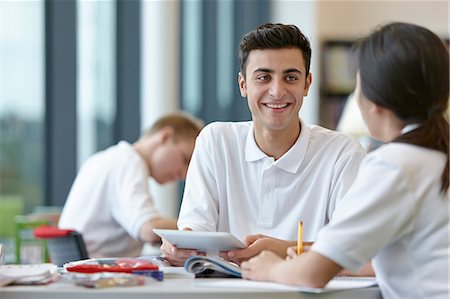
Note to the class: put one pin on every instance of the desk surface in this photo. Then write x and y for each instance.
(186, 288)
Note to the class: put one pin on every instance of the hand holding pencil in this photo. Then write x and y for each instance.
(301, 246)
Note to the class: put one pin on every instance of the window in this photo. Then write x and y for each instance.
(22, 107)
(96, 105)
(210, 36)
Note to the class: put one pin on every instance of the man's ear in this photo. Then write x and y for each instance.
(166, 134)
(308, 82)
(242, 85)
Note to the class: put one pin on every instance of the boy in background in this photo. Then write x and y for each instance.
(110, 203)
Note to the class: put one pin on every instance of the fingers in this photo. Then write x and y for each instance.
(258, 267)
(247, 270)
(233, 256)
(240, 255)
(248, 240)
(176, 256)
(291, 252)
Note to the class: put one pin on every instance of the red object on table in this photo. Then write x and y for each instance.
(120, 265)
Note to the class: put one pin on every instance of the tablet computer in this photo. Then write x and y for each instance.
(208, 242)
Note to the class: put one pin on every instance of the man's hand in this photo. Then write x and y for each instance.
(261, 267)
(256, 244)
(176, 256)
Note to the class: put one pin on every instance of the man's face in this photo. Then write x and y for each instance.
(170, 160)
(275, 84)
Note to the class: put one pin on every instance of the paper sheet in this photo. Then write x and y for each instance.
(26, 274)
(339, 283)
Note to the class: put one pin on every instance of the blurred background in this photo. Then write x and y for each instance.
(78, 76)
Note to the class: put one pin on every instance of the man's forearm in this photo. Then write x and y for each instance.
(146, 233)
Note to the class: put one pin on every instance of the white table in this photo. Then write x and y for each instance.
(180, 288)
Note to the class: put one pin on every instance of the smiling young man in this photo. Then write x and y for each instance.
(257, 179)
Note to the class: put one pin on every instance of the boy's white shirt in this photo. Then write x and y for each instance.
(109, 201)
(233, 186)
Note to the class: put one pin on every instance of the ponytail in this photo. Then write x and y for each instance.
(432, 134)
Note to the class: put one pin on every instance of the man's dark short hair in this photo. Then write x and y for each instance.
(274, 36)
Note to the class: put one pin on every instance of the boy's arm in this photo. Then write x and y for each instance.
(366, 270)
(146, 231)
(309, 269)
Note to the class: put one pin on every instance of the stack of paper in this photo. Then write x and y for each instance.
(27, 274)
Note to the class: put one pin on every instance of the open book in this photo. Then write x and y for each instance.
(211, 266)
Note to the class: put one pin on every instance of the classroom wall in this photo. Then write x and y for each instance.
(350, 19)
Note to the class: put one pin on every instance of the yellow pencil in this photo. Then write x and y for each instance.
(300, 238)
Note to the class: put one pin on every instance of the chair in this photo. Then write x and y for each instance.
(63, 245)
(10, 207)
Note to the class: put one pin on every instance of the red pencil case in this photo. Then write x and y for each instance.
(110, 265)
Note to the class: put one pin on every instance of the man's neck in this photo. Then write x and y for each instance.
(276, 143)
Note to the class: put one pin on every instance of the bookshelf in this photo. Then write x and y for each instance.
(337, 80)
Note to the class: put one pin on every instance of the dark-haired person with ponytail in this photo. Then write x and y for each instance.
(396, 214)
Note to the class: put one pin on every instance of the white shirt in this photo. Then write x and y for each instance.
(232, 186)
(395, 214)
(109, 201)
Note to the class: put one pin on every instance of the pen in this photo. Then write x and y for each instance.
(300, 238)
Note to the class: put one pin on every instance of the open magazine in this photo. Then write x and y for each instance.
(211, 266)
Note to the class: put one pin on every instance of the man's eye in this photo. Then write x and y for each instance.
(291, 78)
(263, 77)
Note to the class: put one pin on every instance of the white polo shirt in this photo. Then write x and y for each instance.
(395, 214)
(109, 201)
(232, 186)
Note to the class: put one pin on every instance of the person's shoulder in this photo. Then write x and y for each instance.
(228, 125)
(324, 133)
(413, 164)
(121, 151)
(220, 129)
(407, 155)
(326, 137)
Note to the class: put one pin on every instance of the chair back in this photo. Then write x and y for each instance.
(63, 245)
